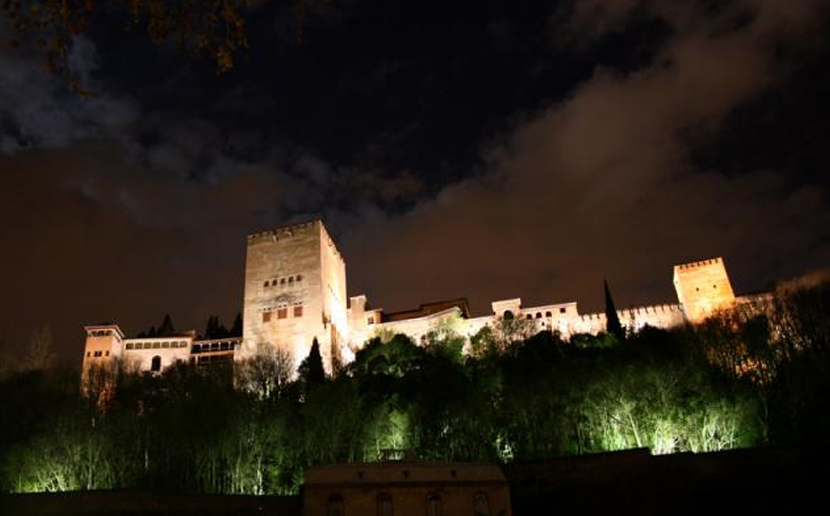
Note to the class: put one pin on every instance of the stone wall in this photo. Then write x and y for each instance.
(283, 301)
(703, 288)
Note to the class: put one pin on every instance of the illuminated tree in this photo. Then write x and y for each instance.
(39, 354)
(267, 373)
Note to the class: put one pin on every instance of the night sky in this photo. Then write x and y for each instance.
(487, 149)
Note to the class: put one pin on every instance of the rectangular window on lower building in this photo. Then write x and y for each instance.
(282, 313)
(298, 311)
(266, 316)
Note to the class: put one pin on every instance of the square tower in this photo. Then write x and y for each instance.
(295, 292)
(703, 288)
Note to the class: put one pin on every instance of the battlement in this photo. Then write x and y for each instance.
(698, 264)
(290, 230)
(658, 316)
(652, 309)
(104, 330)
(281, 232)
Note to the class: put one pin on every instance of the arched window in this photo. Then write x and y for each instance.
(481, 506)
(530, 316)
(335, 505)
(155, 365)
(384, 501)
(434, 505)
(538, 315)
(507, 314)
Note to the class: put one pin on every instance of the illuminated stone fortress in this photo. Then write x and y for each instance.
(295, 293)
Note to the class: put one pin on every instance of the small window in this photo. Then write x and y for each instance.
(697, 289)
(282, 313)
(282, 281)
(715, 287)
(266, 316)
(265, 284)
(384, 502)
(538, 315)
(507, 314)
(530, 316)
(291, 279)
(88, 354)
(371, 320)
(155, 364)
(335, 505)
(481, 506)
(107, 353)
(156, 345)
(165, 344)
(148, 345)
(548, 314)
(129, 346)
(299, 277)
(562, 310)
(298, 311)
(434, 505)
(97, 354)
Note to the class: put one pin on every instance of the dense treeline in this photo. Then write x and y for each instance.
(753, 377)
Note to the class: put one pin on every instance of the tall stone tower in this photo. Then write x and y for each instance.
(703, 288)
(295, 292)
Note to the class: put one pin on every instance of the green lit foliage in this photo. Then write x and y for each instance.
(749, 378)
(79, 452)
(445, 339)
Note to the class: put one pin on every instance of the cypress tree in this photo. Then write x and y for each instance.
(236, 330)
(166, 327)
(311, 369)
(612, 320)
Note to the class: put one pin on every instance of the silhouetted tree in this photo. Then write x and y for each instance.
(214, 329)
(166, 327)
(311, 369)
(236, 329)
(39, 354)
(612, 321)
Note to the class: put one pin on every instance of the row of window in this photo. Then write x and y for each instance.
(509, 314)
(100, 333)
(97, 354)
(214, 346)
(385, 506)
(282, 313)
(283, 281)
(547, 314)
(157, 345)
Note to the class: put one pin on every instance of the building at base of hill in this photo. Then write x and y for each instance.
(295, 294)
(406, 488)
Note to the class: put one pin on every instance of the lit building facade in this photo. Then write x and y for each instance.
(295, 293)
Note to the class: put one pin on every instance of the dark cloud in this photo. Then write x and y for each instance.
(37, 110)
(601, 184)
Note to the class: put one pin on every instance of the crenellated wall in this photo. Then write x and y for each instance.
(295, 292)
